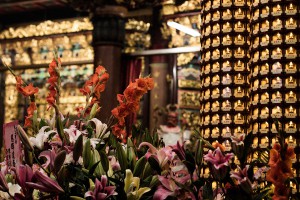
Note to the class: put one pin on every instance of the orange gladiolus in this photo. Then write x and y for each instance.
(217, 144)
(280, 170)
(100, 70)
(29, 90)
(30, 112)
(129, 103)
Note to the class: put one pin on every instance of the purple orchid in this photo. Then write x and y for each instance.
(242, 178)
(218, 162)
(44, 183)
(101, 191)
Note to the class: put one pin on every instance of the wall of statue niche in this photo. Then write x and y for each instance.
(30, 48)
(223, 70)
(73, 78)
(274, 73)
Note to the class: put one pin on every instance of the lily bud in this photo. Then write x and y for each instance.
(93, 111)
(35, 120)
(199, 152)
(45, 184)
(87, 154)
(78, 148)
(59, 160)
(23, 137)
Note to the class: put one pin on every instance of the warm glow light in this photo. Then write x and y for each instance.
(184, 29)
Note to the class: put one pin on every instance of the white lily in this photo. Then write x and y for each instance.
(100, 128)
(41, 137)
(73, 133)
(13, 189)
(51, 122)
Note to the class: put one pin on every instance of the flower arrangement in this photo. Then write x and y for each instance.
(88, 159)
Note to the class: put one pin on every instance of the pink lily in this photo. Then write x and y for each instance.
(44, 184)
(179, 171)
(114, 163)
(24, 174)
(242, 177)
(73, 133)
(218, 162)
(238, 145)
(50, 156)
(179, 150)
(163, 156)
(238, 140)
(217, 159)
(168, 188)
(101, 191)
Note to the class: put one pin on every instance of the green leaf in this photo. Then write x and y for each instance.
(262, 194)
(93, 168)
(59, 160)
(131, 153)
(93, 111)
(112, 141)
(155, 181)
(87, 154)
(155, 138)
(189, 162)
(154, 164)
(148, 137)
(121, 156)
(99, 171)
(147, 171)
(199, 152)
(78, 147)
(60, 130)
(207, 192)
(90, 130)
(138, 168)
(247, 146)
(42, 123)
(104, 160)
(76, 198)
(66, 120)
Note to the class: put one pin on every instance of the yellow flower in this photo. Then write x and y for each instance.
(132, 187)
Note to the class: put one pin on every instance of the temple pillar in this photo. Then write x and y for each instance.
(159, 94)
(160, 70)
(108, 39)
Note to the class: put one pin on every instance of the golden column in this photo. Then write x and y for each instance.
(274, 78)
(224, 85)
